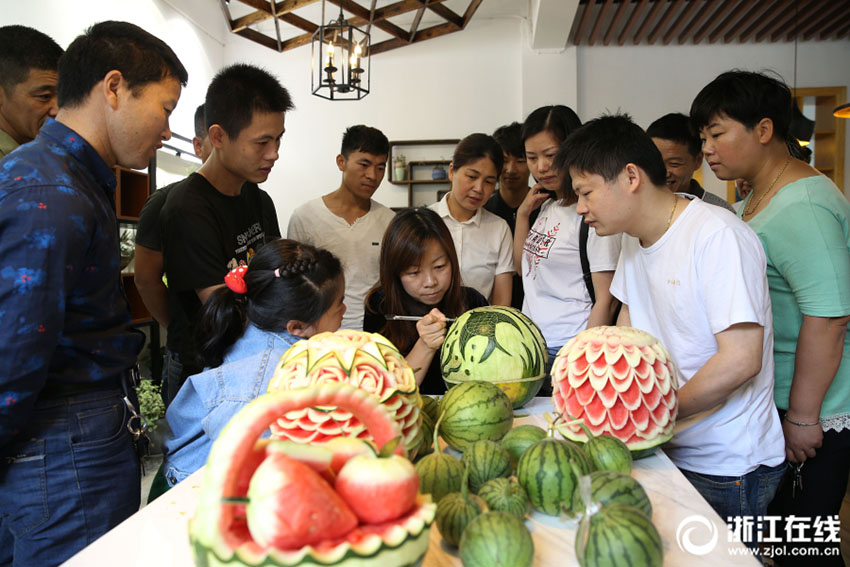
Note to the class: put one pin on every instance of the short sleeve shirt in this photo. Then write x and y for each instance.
(556, 296)
(357, 245)
(805, 231)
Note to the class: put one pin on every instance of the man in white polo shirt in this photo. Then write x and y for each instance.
(692, 275)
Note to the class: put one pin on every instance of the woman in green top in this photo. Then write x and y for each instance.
(802, 221)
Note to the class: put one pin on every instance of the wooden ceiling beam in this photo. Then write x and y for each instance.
(258, 37)
(684, 17)
(745, 22)
(759, 23)
(836, 26)
(782, 15)
(733, 18)
(300, 23)
(844, 31)
(790, 28)
(686, 34)
(402, 7)
(665, 21)
(712, 20)
(582, 23)
(630, 23)
(812, 29)
(644, 26)
(417, 19)
(264, 11)
(470, 11)
(618, 15)
(423, 35)
(363, 17)
(597, 26)
(449, 15)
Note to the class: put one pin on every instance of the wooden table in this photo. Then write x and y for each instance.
(158, 534)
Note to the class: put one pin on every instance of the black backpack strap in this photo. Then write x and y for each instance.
(585, 263)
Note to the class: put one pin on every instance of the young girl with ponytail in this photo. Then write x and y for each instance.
(288, 291)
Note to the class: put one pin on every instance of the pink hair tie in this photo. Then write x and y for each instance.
(235, 280)
(277, 273)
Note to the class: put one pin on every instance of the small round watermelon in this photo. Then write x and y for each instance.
(520, 438)
(473, 411)
(607, 487)
(439, 474)
(549, 471)
(618, 381)
(496, 344)
(485, 460)
(496, 539)
(618, 535)
(607, 453)
(505, 495)
(456, 510)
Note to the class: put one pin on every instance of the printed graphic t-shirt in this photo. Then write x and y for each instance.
(205, 234)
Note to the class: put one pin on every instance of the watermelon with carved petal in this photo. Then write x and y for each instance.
(619, 381)
(365, 360)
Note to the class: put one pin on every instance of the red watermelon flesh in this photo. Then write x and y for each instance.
(619, 381)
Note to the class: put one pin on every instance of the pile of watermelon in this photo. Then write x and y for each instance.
(279, 503)
(483, 498)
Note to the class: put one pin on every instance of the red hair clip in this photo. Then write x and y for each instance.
(235, 280)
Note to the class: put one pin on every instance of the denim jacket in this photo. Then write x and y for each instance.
(208, 400)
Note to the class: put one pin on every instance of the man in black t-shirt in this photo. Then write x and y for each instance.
(217, 218)
(513, 186)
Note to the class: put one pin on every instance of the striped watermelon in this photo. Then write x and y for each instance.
(607, 487)
(496, 344)
(485, 460)
(618, 534)
(607, 453)
(496, 539)
(365, 360)
(520, 438)
(473, 411)
(505, 495)
(619, 381)
(549, 472)
(439, 474)
(222, 534)
(456, 510)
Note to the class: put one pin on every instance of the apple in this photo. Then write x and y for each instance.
(290, 505)
(344, 448)
(378, 489)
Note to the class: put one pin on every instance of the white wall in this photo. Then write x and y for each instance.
(446, 87)
(650, 81)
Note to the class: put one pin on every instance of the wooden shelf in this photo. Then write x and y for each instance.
(424, 148)
(131, 191)
(138, 312)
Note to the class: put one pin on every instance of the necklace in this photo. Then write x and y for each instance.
(673, 210)
(750, 210)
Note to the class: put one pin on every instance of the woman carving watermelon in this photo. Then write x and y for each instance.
(289, 291)
(419, 275)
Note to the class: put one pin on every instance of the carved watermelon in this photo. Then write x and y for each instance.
(496, 344)
(222, 533)
(621, 382)
(365, 360)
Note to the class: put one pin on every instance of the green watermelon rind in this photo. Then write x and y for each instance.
(439, 475)
(496, 538)
(453, 353)
(462, 408)
(485, 460)
(407, 548)
(520, 438)
(455, 512)
(505, 495)
(620, 543)
(638, 450)
(549, 471)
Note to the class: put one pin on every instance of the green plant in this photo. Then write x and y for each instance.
(151, 405)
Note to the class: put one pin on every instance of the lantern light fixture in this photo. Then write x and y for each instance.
(340, 60)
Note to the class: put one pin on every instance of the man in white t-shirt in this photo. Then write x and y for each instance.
(692, 275)
(348, 222)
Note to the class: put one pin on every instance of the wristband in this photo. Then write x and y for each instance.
(799, 423)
